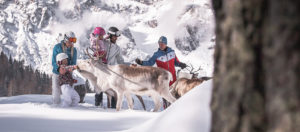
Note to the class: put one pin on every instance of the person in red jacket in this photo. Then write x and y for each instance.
(165, 58)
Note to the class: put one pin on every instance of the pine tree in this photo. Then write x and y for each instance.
(17, 79)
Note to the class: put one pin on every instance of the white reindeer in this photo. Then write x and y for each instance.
(110, 92)
(124, 80)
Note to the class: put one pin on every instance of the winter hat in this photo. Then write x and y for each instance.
(163, 39)
(61, 56)
(114, 31)
(69, 35)
(99, 31)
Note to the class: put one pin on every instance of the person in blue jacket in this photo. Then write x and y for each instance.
(65, 46)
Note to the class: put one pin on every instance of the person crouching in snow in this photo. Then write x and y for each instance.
(65, 46)
(66, 81)
(97, 45)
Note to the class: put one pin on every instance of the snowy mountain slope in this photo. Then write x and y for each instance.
(29, 29)
(33, 113)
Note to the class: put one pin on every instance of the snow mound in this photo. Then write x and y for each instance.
(191, 113)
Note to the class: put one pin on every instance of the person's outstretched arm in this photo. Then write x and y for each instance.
(150, 62)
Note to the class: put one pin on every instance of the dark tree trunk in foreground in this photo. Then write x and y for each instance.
(257, 66)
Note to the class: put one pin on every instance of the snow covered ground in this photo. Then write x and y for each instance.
(34, 113)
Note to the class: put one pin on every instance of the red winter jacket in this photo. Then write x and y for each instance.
(165, 59)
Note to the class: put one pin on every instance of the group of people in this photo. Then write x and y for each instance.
(65, 56)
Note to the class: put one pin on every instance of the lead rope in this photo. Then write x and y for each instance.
(106, 67)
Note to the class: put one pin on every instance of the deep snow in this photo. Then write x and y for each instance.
(34, 113)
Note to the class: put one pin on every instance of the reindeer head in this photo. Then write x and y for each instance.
(89, 64)
(85, 65)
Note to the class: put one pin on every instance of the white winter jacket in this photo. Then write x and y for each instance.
(113, 53)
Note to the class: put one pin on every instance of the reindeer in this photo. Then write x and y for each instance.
(183, 85)
(110, 92)
(124, 80)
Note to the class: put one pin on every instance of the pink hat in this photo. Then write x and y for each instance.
(99, 31)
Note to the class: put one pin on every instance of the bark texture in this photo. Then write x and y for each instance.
(257, 66)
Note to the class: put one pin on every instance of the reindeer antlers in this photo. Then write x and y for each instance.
(192, 69)
(99, 56)
(87, 52)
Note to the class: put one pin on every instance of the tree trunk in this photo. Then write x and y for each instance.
(257, 66)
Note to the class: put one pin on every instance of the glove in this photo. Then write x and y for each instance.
(182, 65)
(138, 61)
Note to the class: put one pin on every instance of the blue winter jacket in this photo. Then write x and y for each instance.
(58, 49)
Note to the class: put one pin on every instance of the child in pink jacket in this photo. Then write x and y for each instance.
(97, 45)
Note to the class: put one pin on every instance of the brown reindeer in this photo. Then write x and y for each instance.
(183, 85)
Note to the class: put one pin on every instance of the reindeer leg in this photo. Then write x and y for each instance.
(173, 93)
(156, 100)
(168, 96)
(119, 100)
(142, 101)
(129, 100)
